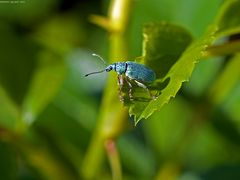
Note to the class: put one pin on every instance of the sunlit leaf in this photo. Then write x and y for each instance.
(181, 71)
(163, 45)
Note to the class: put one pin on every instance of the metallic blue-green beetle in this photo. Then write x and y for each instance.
(140, 74)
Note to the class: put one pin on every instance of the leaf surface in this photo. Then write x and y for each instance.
(172, 70)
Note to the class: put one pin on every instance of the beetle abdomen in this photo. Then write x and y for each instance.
(140, 72)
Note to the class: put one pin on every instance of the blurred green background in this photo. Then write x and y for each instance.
(49, 110)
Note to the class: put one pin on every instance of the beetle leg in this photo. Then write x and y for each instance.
(146, 88)
(130, 90)
(120, 83)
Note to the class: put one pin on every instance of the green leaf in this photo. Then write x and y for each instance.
(228, 19)
(163, 45)
(203, 76)
(231, 104)
(181, 70)
(226, 81)
(17, 62)
(9, 112)
(61, 33)
(44, 86)
(179, 73)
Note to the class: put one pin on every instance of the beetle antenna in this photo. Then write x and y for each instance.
(96, 72)
(100, 58)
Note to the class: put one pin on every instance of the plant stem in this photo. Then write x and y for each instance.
(113, 157)
(112, 117)
(223, 49)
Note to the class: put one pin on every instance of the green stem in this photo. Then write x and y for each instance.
(223, 49)
(113, 157)
(113, 115)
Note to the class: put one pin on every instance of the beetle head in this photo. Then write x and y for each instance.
(109, 68)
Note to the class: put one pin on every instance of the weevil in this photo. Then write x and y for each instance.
(138, 73)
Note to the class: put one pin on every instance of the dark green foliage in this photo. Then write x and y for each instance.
(56, 124)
